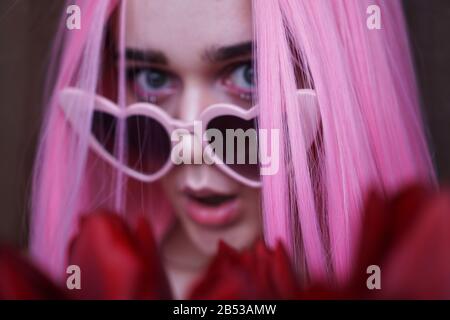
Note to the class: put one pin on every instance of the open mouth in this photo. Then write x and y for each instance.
(210, 208)
(212, 200)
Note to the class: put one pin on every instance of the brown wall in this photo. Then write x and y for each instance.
(26, 29)
(429, 23)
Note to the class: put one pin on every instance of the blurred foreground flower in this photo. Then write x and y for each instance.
(116, 262)
(257, 273)
(407, 236)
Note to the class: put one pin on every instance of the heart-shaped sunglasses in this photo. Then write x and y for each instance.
(149, 130)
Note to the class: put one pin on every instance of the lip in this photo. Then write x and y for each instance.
(211, 215)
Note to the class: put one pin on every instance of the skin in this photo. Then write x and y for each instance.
(188, 35)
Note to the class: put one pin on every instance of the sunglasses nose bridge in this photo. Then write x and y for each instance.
(185, 125)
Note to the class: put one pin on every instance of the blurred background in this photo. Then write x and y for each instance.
(27, 28)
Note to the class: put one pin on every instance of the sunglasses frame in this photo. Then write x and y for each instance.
(72, 97)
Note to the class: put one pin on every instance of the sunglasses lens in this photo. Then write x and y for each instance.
(240, 144)
(148, 143)
(104, 128)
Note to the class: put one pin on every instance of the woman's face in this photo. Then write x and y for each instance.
(187, 55)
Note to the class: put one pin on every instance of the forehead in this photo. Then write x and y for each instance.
(183, 29)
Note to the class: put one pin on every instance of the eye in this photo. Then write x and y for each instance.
(240, 81)
(151, 84)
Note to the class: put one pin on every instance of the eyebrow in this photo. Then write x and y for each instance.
(225, 53)
(149, 56)
(213, 55)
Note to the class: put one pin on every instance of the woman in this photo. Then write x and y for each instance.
(289, 60)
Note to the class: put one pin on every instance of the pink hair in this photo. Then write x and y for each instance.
(371, 131)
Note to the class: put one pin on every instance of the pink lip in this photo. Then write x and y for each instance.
(212, 216)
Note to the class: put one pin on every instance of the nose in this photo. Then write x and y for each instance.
(198, 178)
(196, 96)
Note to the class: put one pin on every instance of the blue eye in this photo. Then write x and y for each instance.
(240, 81)
(151, 84)
(151, 80)
(242, 77)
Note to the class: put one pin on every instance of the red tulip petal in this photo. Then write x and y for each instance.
(419, 266)
(113, 262)
(373, 240)
(157, 280)
(385, 222)
(406, 209)
(216, 283)
(257, 273)
(286, 280)
(20, 280)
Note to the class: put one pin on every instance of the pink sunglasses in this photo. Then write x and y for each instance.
(149, 129)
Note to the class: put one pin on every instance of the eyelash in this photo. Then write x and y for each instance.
(137, 74)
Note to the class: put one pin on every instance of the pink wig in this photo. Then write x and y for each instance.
(371, 133)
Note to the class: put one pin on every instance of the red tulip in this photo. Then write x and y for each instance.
(117, 262)
(20, 280)
(407, 236)
(257, 273)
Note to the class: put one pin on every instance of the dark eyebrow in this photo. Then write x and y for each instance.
(148, 56)
(214, 54)
(225, 53)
